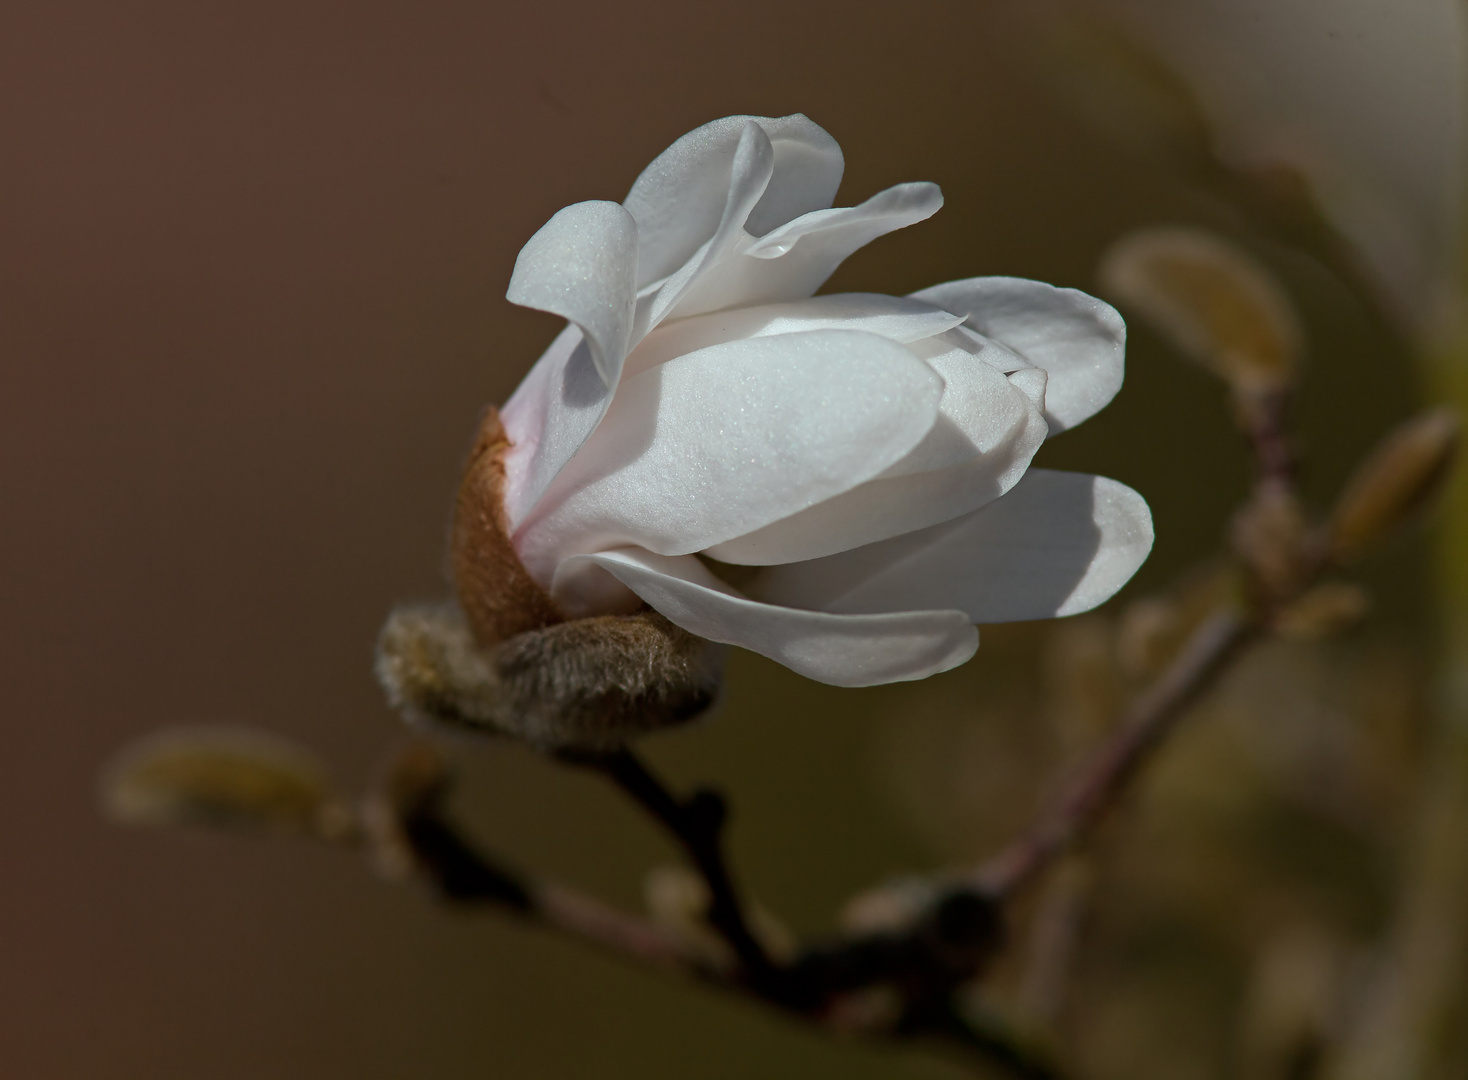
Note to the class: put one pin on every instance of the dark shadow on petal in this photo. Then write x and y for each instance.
(1019, 557)
(1034, 549)
(581, 385)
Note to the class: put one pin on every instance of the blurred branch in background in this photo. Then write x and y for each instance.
(1252, 859)
(1340, 129)
(904, 966)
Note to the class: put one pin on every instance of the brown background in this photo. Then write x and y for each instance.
(252, 260)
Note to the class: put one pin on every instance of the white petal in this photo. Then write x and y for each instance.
(1058, 544)
(679, 199)
(986, 433)
(551, 413)
(980, 411)
(750, 172)
(727, 439)
(795, 260)
(896, 318)
(844, 650)
(1079, 340)
(582, 265)
(1031, 382)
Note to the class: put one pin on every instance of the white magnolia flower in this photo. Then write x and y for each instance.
(869, 451)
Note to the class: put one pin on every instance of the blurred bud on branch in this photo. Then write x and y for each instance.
(224, 777)
(1213, 302)
(1403, 473)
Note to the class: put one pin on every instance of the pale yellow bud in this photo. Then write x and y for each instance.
(225, 777)
(1330, 608)
(892, 906)
(1403, 472)
(678, 899)
(1212, 301)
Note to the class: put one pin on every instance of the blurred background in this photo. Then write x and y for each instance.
(252, 266)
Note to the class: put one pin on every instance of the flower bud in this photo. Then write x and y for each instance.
(414, 782)
(1329, 608)
(1212, 301)
(586, 684)
(891, 907)
(1272, 537)
(1152, 629)
(223, 777)
(1402, 473)
(678, 899)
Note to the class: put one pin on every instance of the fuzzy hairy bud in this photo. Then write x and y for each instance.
(586, 684)
(508, 661)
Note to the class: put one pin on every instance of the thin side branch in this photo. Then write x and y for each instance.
(589, 919)
(989, 1042)
(1264, 419)
(697, 823)
(1095, 790)
(407, 828)
(462, 875)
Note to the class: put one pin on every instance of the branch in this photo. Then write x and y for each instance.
(408, 829)
(989, 1040)
(923, 960)
(697, 823)
(1146, 724)
(1264, 419)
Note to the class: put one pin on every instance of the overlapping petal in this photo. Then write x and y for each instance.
(986, 434)
(795, 260)
(1059, 543)
(844, 650)
(896, 318)
(722, 441)
(750, 173)
(1079, 341)
(680, 198)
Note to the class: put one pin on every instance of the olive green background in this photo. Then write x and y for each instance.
(252, 261)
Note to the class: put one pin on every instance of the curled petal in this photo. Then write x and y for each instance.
(680, 198)
(582, 266)
(843, 650)
(749, 177)
(729, 438)
(1059, 543)
(1079, 340)
(795, 260)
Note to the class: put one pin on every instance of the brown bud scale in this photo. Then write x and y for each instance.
(499, 597)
